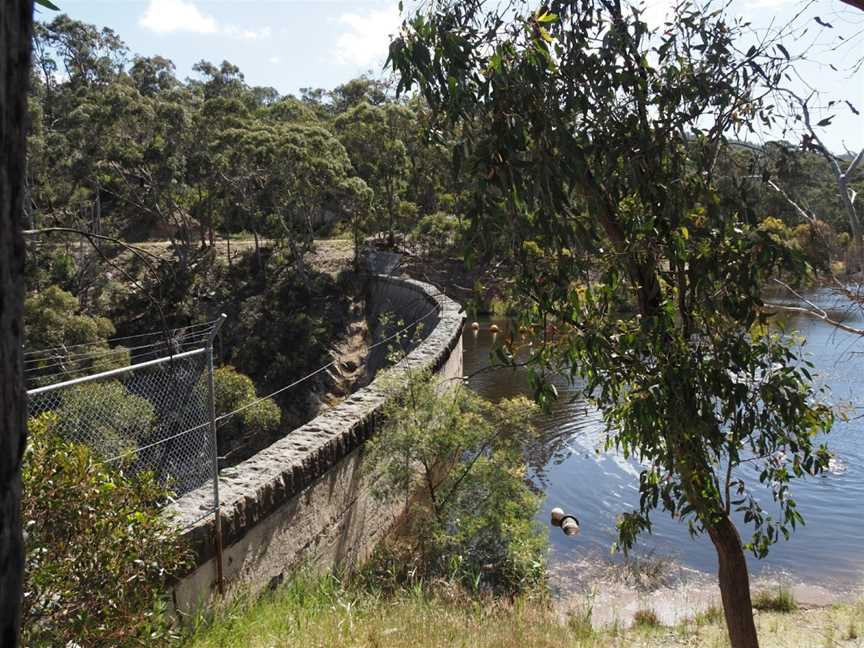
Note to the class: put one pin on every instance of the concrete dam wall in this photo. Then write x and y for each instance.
(306, 499)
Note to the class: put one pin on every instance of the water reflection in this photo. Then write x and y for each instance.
(579, 476)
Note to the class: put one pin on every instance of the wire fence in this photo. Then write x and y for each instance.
(145, 403)
(151, 411)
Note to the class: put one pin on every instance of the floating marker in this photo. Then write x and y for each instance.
(568, 523)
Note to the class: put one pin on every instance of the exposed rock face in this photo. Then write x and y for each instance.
(306, 497)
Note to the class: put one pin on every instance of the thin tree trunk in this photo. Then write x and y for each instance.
(391, 219)
(228, 241)
(299, 261)
(257, 251)
(734, 584)
(16, 25)
(97, 225)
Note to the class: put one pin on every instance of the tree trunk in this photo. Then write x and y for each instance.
(16, 25)
(299, 262)
(855, 257)
(97, 216)
(734, 584)
(391, 219)
(228, 242)
(257, 251)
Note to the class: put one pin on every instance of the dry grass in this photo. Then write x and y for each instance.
(779, 601)
(321, 613)
(646, 618)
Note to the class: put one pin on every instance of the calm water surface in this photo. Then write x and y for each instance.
(578, 476)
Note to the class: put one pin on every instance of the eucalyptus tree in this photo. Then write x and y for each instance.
(141, 145)
(352, 93)
(89, 55)
(311, 183)
(240, 159)
(430, 184)
(374, 138)
(75, 64)
(153, 74)
(226, 80)
(591, 141)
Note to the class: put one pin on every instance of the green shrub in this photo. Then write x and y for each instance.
(438, 234)
(262, 417)
(106, 416)
(51, 320)
(473, 519)
(233, 390)
(99, 554)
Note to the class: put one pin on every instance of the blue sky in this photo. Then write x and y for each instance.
(287, 44)
(290, 44)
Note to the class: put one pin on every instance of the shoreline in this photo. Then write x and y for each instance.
(613, 594)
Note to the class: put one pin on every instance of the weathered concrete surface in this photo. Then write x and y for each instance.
(307, 498)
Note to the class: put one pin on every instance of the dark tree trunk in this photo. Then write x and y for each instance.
(257, 251)
(391, 218)
(16, 25)
(228, 241)
(734, 585)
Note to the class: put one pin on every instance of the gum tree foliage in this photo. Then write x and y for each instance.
(374, 138)
(311, 180)
(462, 456)
(100, 553)
(592, 143)
(120, 146)
(64, 342)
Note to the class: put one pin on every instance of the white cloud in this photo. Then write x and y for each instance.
(274, 59)
(368, 36)
(167, 16)
(171, 16)
(233, 31)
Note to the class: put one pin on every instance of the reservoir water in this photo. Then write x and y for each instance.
(576, 474)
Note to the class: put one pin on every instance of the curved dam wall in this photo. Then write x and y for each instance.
(306, 499)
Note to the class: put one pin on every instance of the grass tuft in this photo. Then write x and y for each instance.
(713, 615)
(780, 601)
(646, 618)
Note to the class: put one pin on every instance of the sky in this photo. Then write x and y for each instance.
(292, 44)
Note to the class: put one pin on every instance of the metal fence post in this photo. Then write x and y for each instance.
(211, 403)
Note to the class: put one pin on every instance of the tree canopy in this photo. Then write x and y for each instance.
(594, 145)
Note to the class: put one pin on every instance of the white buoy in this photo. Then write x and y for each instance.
(568, 523)
(475, 326)
(494, 328)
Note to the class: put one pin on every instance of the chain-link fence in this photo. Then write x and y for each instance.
(153, 414)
